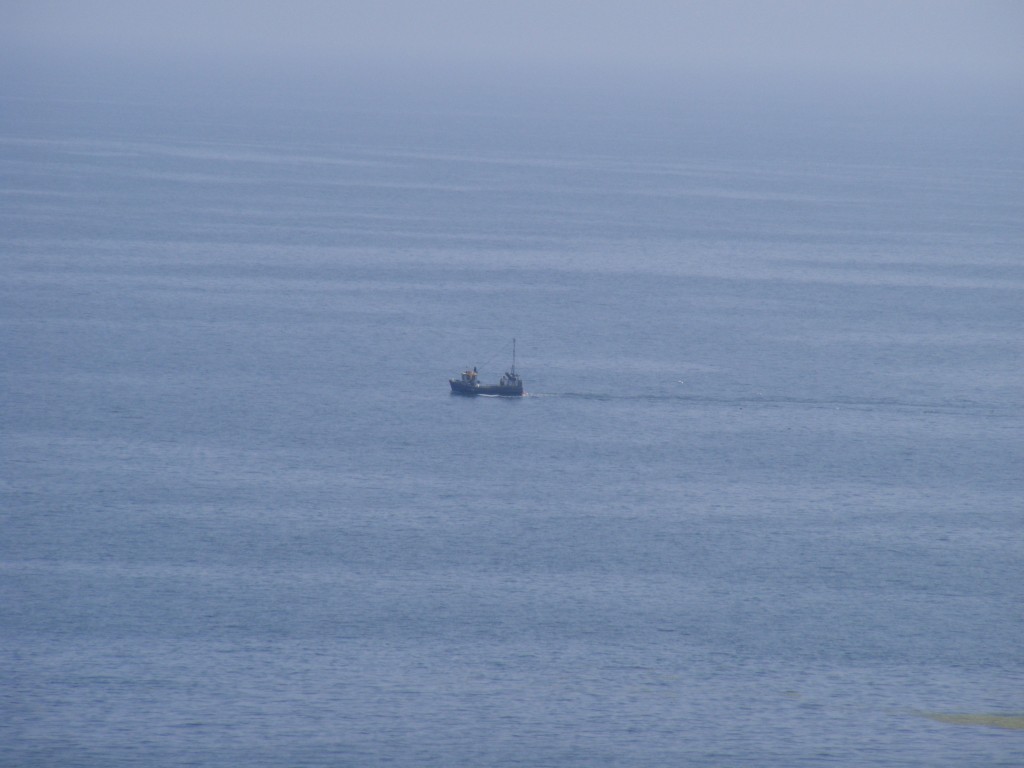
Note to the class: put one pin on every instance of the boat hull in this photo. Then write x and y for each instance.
(471, 390)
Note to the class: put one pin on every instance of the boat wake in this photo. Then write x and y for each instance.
(779, 401)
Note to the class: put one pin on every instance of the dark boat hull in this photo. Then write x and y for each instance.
(461, 388)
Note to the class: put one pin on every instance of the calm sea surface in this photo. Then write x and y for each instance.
(762, 505)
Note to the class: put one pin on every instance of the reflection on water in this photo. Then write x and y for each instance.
(1012, 722)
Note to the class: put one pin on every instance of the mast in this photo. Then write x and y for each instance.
(513, 355)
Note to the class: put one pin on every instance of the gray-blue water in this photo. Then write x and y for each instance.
(762, 505)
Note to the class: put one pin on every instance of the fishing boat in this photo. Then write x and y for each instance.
(510, 384)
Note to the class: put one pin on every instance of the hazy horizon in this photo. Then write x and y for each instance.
(954, 47)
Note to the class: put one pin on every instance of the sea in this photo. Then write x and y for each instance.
(761, 504)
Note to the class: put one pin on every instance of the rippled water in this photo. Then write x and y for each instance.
(761, 505)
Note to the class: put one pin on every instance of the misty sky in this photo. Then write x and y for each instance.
(980, 40)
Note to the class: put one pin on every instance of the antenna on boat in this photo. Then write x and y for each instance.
(513, 354)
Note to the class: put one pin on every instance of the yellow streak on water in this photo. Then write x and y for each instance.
(1013, 722)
